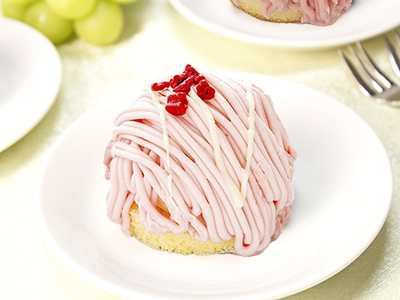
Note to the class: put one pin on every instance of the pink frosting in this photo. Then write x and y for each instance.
(316, 12)
(136, 160)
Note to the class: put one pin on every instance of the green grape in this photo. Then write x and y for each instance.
(40, 16)
(16, 2)
(15, 11)
(71, 9)
(124, 1)
(103, 25)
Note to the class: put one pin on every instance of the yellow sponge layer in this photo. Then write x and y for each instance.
(179, 243)
(254, 8)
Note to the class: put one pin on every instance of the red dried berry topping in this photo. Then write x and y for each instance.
(181, 84)
(176, 80)
(190, 71)
(184, 86)
(158, 86)
(198, 78)
(205, 91)
(177, 104)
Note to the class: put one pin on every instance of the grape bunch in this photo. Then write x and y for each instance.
(98, 22)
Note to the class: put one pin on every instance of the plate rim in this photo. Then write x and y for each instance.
(124, 292)
(48, 93)
(275, 43)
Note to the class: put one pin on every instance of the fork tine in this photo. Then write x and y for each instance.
(394, 56)
(375, 84)
(381, 75)
(363, 85)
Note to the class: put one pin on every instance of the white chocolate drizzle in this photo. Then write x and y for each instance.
(163, 121)
(238, 199)
(250, 140)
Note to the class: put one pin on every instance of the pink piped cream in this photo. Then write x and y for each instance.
(222, 170)
(315, 12)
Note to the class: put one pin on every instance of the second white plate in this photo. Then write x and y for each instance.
(342, 184)
(365, 19)
(30, 77)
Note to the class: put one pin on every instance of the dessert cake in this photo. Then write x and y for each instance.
(200, 163)
(315, 12)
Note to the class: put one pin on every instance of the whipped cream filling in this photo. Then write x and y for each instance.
(183, 177)
(315, 12)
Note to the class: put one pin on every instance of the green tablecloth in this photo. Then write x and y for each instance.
(157, 40)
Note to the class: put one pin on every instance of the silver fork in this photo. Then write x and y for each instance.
(375, 82)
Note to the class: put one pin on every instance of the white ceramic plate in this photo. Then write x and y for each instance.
(365, 19)
(343, 188)
(30, 77)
